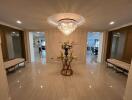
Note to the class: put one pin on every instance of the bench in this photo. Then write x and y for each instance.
(119, 65)
(13, 63)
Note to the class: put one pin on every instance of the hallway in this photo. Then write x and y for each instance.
(89, 82)
(49, 37)
(40, 58)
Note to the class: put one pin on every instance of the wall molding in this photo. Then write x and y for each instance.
(124, 25)
(3, 23)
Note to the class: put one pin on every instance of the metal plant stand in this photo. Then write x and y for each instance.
(66, 59)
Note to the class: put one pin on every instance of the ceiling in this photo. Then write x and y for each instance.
(97, 13)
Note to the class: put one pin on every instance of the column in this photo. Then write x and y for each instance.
(4, 90)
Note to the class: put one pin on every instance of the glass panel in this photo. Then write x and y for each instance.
(14, 45)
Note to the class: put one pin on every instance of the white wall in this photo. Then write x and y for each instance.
(102, 47)
(99, 58)
(31, 46)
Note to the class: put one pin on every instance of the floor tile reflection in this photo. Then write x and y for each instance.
(44, 82)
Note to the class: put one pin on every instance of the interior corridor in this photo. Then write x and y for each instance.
(66, 50)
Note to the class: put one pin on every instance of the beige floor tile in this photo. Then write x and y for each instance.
(89, 82)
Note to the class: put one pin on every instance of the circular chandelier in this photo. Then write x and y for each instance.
(66, 22)
(67, 26)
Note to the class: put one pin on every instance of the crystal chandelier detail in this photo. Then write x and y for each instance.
(66, 22)
(67, 26)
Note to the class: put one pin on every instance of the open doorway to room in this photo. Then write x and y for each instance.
(37, 47)
(93, 44)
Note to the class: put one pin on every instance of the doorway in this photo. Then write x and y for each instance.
(37, 47)
(93, 47)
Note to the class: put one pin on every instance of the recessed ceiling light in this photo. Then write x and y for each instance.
(90, 86)
(19, 22)
(38, 32)
(112, 22)
(41, 86)
(110, 86)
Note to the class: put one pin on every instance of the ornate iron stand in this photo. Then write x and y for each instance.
(66, 59)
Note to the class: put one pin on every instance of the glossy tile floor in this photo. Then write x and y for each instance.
(39, 81)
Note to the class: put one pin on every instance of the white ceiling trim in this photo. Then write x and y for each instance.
(3, 23)
(125, 25)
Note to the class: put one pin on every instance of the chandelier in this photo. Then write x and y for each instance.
(66, 22)
(67, 26)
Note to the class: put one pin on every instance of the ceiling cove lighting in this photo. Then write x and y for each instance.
(112, 22)
(19, 22)
(66, 22)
